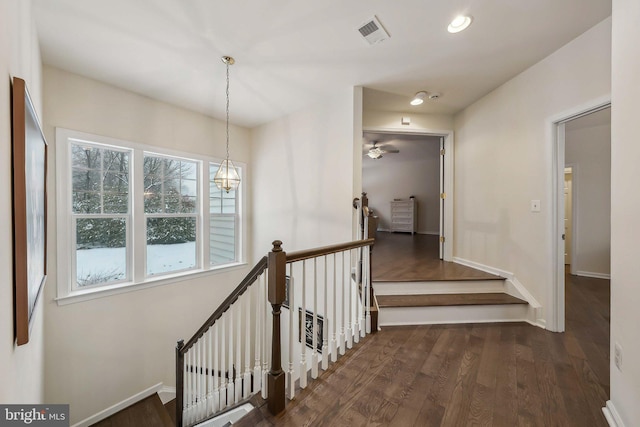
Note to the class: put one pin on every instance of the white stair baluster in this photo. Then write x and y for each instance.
(314, 323)
(238, 365)
(349, 303)
(301, 328)
(223, 364)
(367, 281)
(257, 368)
(325, 326)
(291, 383)
(343, 301)
(265, 338)
(356, 298)
(198, 379)
(208, 381)
(334, 348)
(246, 389)
(216, 367)
(230, 361)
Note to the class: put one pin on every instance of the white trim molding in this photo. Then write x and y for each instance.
(106, 413)
(555, 141)
(612, 415)
(594, 275)
(513, 287)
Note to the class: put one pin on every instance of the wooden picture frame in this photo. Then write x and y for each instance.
(29, 209)
(307, 325)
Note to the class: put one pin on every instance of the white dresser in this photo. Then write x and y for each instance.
(404, 215)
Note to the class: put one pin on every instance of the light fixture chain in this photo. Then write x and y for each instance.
(227, 112)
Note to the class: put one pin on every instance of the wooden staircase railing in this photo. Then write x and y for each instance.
(325, 297)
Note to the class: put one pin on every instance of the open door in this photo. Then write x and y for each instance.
(442, 197)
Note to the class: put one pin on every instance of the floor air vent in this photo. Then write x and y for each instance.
(373, 32)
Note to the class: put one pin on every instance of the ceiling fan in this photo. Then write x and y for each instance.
(376, 152)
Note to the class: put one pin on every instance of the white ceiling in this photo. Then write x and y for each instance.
(292, 53)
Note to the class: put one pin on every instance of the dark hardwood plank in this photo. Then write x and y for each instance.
(502, 375)
(399, 257)
(430, 300)
(148, 412)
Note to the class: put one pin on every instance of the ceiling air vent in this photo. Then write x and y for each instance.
(373, 31)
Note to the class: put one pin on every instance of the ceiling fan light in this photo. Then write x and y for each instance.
(418, 98)
(459, 23)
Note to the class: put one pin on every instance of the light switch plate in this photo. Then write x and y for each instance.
(406, 120)
(535, 206)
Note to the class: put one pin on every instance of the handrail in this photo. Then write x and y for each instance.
(242, 287)
(326, 250)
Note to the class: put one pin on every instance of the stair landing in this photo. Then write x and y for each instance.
(413, 286)
(402, 257)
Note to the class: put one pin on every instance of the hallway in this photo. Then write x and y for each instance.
(459, 375)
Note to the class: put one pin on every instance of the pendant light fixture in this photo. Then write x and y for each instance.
(227, 177)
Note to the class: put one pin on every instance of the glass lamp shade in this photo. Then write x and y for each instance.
(227, 177)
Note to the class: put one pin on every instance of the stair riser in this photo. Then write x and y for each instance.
(439, 287)
(396, 316)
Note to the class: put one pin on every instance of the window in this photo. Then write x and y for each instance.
(171, 213)
(100, 213)
(130, 215)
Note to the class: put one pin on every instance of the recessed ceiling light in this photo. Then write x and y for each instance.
(459, 23)
(419, 98)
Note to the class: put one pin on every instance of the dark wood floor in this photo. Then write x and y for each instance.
(148, 412)
(462, 375)
(402, 257)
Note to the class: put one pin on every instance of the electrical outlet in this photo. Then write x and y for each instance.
(618, 356)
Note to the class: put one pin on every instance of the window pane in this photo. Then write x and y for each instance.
(171, 244)
(85, 202)
(101, 253)
(86, 180)
(85, 157)
(170, 185)
(229, 202)
(100, 180)
(222, 240)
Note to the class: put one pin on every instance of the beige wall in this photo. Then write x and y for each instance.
(589, 150)
(303, 177)
(21, 368)
(392, 120)
(102, 351)
(625, 210)
(503, 156)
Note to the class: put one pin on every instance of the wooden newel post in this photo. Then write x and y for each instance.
(179, 382)
(277, 264)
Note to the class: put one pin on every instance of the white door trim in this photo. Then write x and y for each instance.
(556, 316)
(448, 176)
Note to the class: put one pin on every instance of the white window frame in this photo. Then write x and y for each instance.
(67, 293)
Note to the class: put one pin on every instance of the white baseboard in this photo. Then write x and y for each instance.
(594, 275)
(167, 394)
(158, 388)
(432, 233)
(513, 287)
(612, 416)
(482, 267)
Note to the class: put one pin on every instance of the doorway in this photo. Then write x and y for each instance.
(415, 164)
(581, 208)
